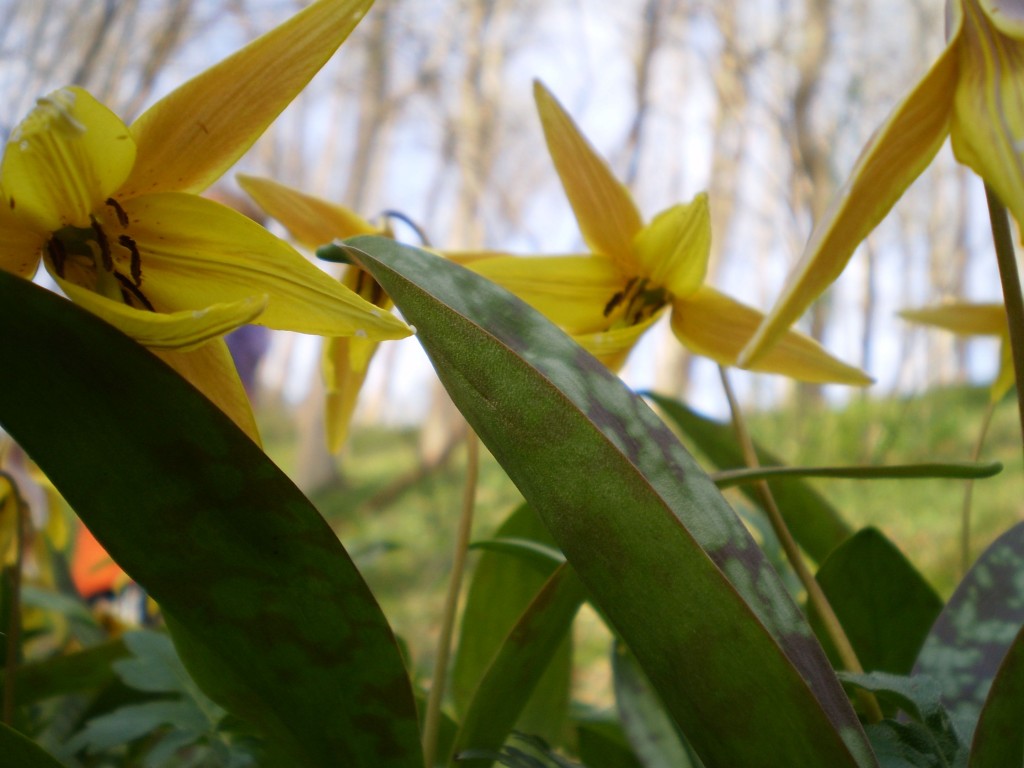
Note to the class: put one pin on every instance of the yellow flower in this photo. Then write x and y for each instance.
(114, 211)
(314, 222)
(973, 94)
(635, 272)
(973, 320)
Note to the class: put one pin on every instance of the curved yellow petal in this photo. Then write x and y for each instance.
(1006, 15)
(195, 252)
(346, 361)
(186, 329)
(713, 325)
(988, 118)
(20, 246)
(65, 160)
(613, 346)
(673, 250)
(188, 139)
(607, 215)
(311, 221)
(571, 291)
(211, 370)
(895, 155)
(962, 318)
(1005, 378)
(973, 320)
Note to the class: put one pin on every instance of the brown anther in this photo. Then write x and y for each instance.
(136, 259)
(122, 217)
(104, 245)
(129, 291)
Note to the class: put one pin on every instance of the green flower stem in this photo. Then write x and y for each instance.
(432, 717)
(815, 595)
(965, 514)
(13, 630)
(1006, 257)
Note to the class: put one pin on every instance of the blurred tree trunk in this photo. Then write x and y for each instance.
(818, 187)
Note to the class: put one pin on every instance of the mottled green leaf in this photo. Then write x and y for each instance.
(815, 524)
(655, 737)
(883, 603)
(506, 579)
(999, 737)
(196, 513)
(970, 638)
(519, 663)
(17, 750)
(658, 548)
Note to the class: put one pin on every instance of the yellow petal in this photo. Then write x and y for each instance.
(988, 120)
(713, 325)
(973, 320)
(65, 160)
(963, 318)
(195, 252)
(673, 249)
(188, 139)
(20, 246)
(211, 370)
(898, 152)
(1006, 15)
(186, 329)
(346, 361)
(613, 346)
(607, 215)
(1006, 377)
(311, 221)
(571, 291)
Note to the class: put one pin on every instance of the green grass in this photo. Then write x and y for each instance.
(921, 516)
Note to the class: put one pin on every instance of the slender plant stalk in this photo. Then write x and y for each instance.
(1009, 276)
(13, 629)
(815, 595)
(965, 514)
(432, 717)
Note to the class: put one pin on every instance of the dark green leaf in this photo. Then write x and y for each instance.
(18, 751)
(73, 673)
(278, 619)
(506, 579)
(512, 676)
(883, 603)
(642, 525)
(961, 470)
(602, 744)
(976, 628)
(814, 523)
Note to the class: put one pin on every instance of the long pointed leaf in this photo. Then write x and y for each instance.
(280, 627)
(520, 663)
(643, 526)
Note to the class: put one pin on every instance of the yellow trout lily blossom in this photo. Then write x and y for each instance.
(635, 272)
(114, 212)
(314, 222)
(972, 94)
(973, 320)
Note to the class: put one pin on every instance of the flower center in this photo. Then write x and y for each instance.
(89, 257)
(635, 303)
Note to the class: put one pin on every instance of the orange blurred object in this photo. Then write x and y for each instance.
(92, 570)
